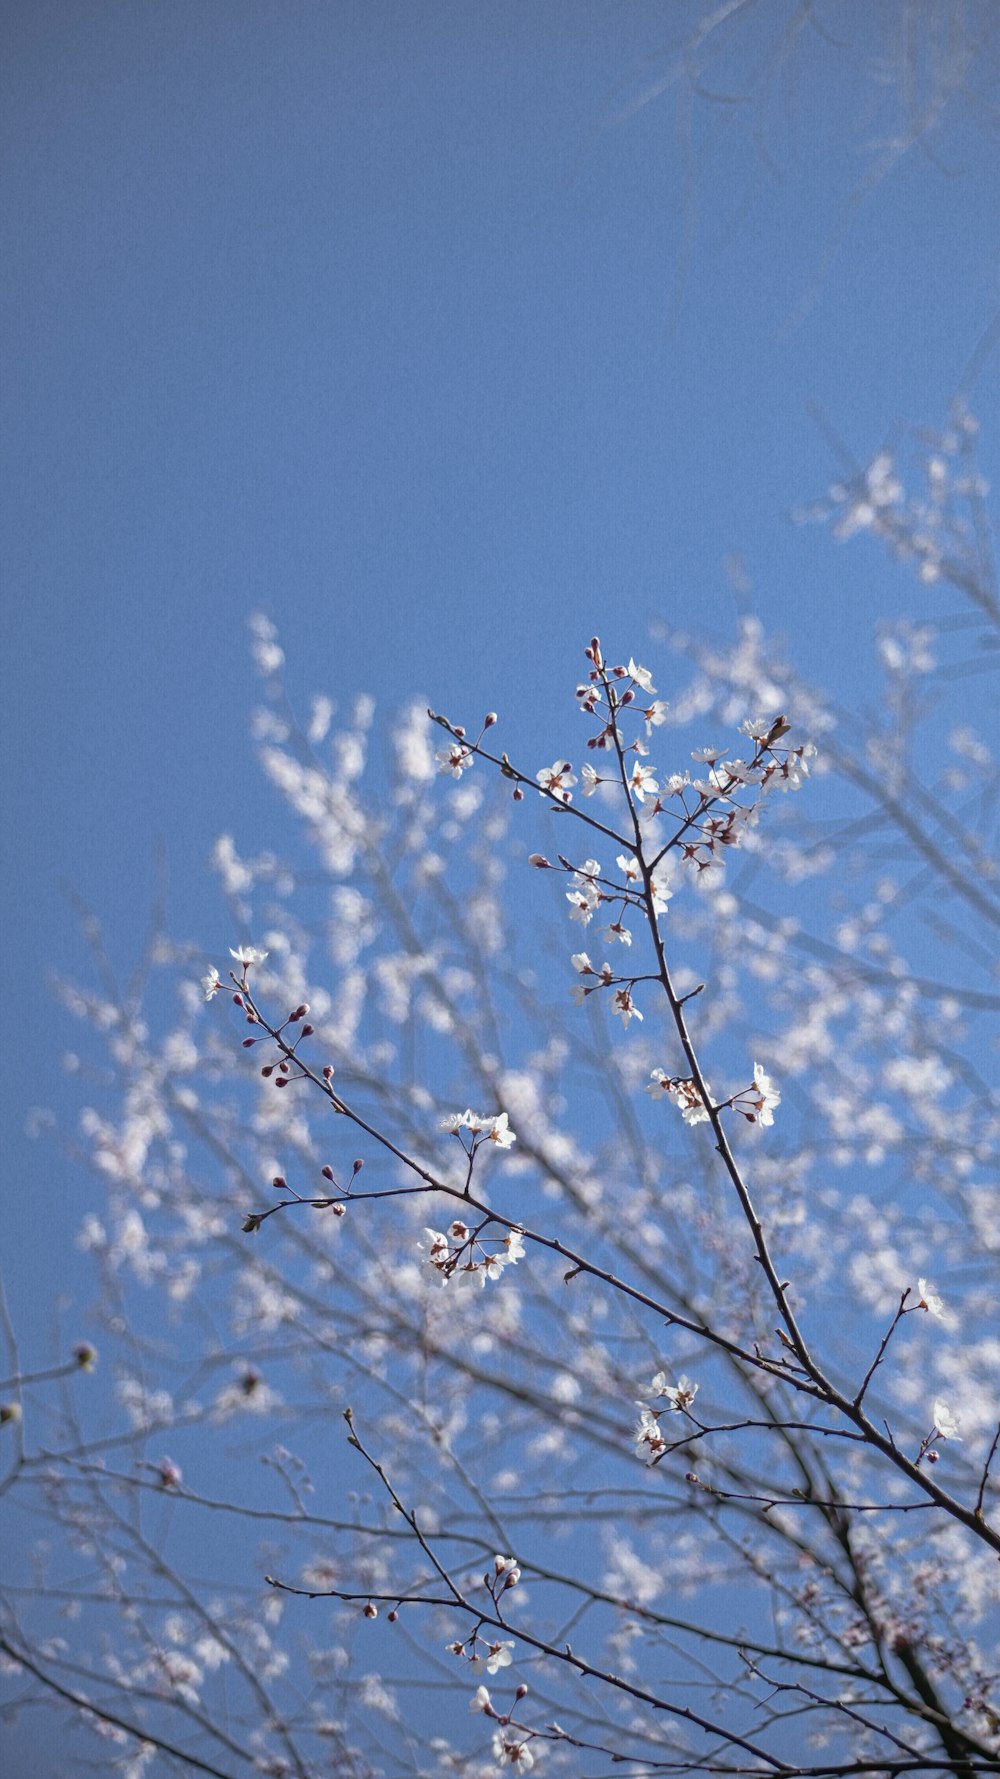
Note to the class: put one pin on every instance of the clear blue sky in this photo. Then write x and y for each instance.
(438, 332)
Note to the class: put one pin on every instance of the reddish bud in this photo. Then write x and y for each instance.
(491, 717)
(517, 794)
(307, 1031)
(328, 1073)
(281, 1081)
(393, 1616)
(268, 1072)
(279, 1183)
(248, 1043)
(371, 1610)
(327, 1172)
(358, 1165)
(522, 1691)
(238, 1001)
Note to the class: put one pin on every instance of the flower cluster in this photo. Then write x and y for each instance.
(683, 1091)
(462, 1254)
(489, 1658)
(494, 1128)
(650, 1440)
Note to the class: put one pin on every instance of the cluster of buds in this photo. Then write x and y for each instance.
(505, 1574)
(328, 1202)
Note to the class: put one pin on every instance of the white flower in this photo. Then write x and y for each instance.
(642, 782)
(945, 1422)
(454, 759)
(456, 1121)
(618, 931)
(515, 1754)
(556, 779)
(500, 1132)
(590, 779)
(656, 714)
(493, 1125)
(582, 964)
(661, 894)
(581, 906)
(499, 1655)
(514, 1244)
(764, 1096)
(649, 1441)
(628, 865)
(210, 984)
(481, 1700)
(679, 1395)
(684, 1094)
(247, 955)
(509, 1568)
(624, 1008)
(438, 1249)
(929, 1299)
(642, 677)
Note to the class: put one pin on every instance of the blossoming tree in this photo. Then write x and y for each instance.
(645, 1412)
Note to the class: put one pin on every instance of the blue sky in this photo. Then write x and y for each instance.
(443, 336)
(440, 334)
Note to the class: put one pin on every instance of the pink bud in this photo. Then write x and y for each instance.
(327, 1172)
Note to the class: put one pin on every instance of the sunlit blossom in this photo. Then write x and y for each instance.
(929, 1299)
(945, 1422)
(454, 759)
(555, 781)
(642, 677)
(623, 1007)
